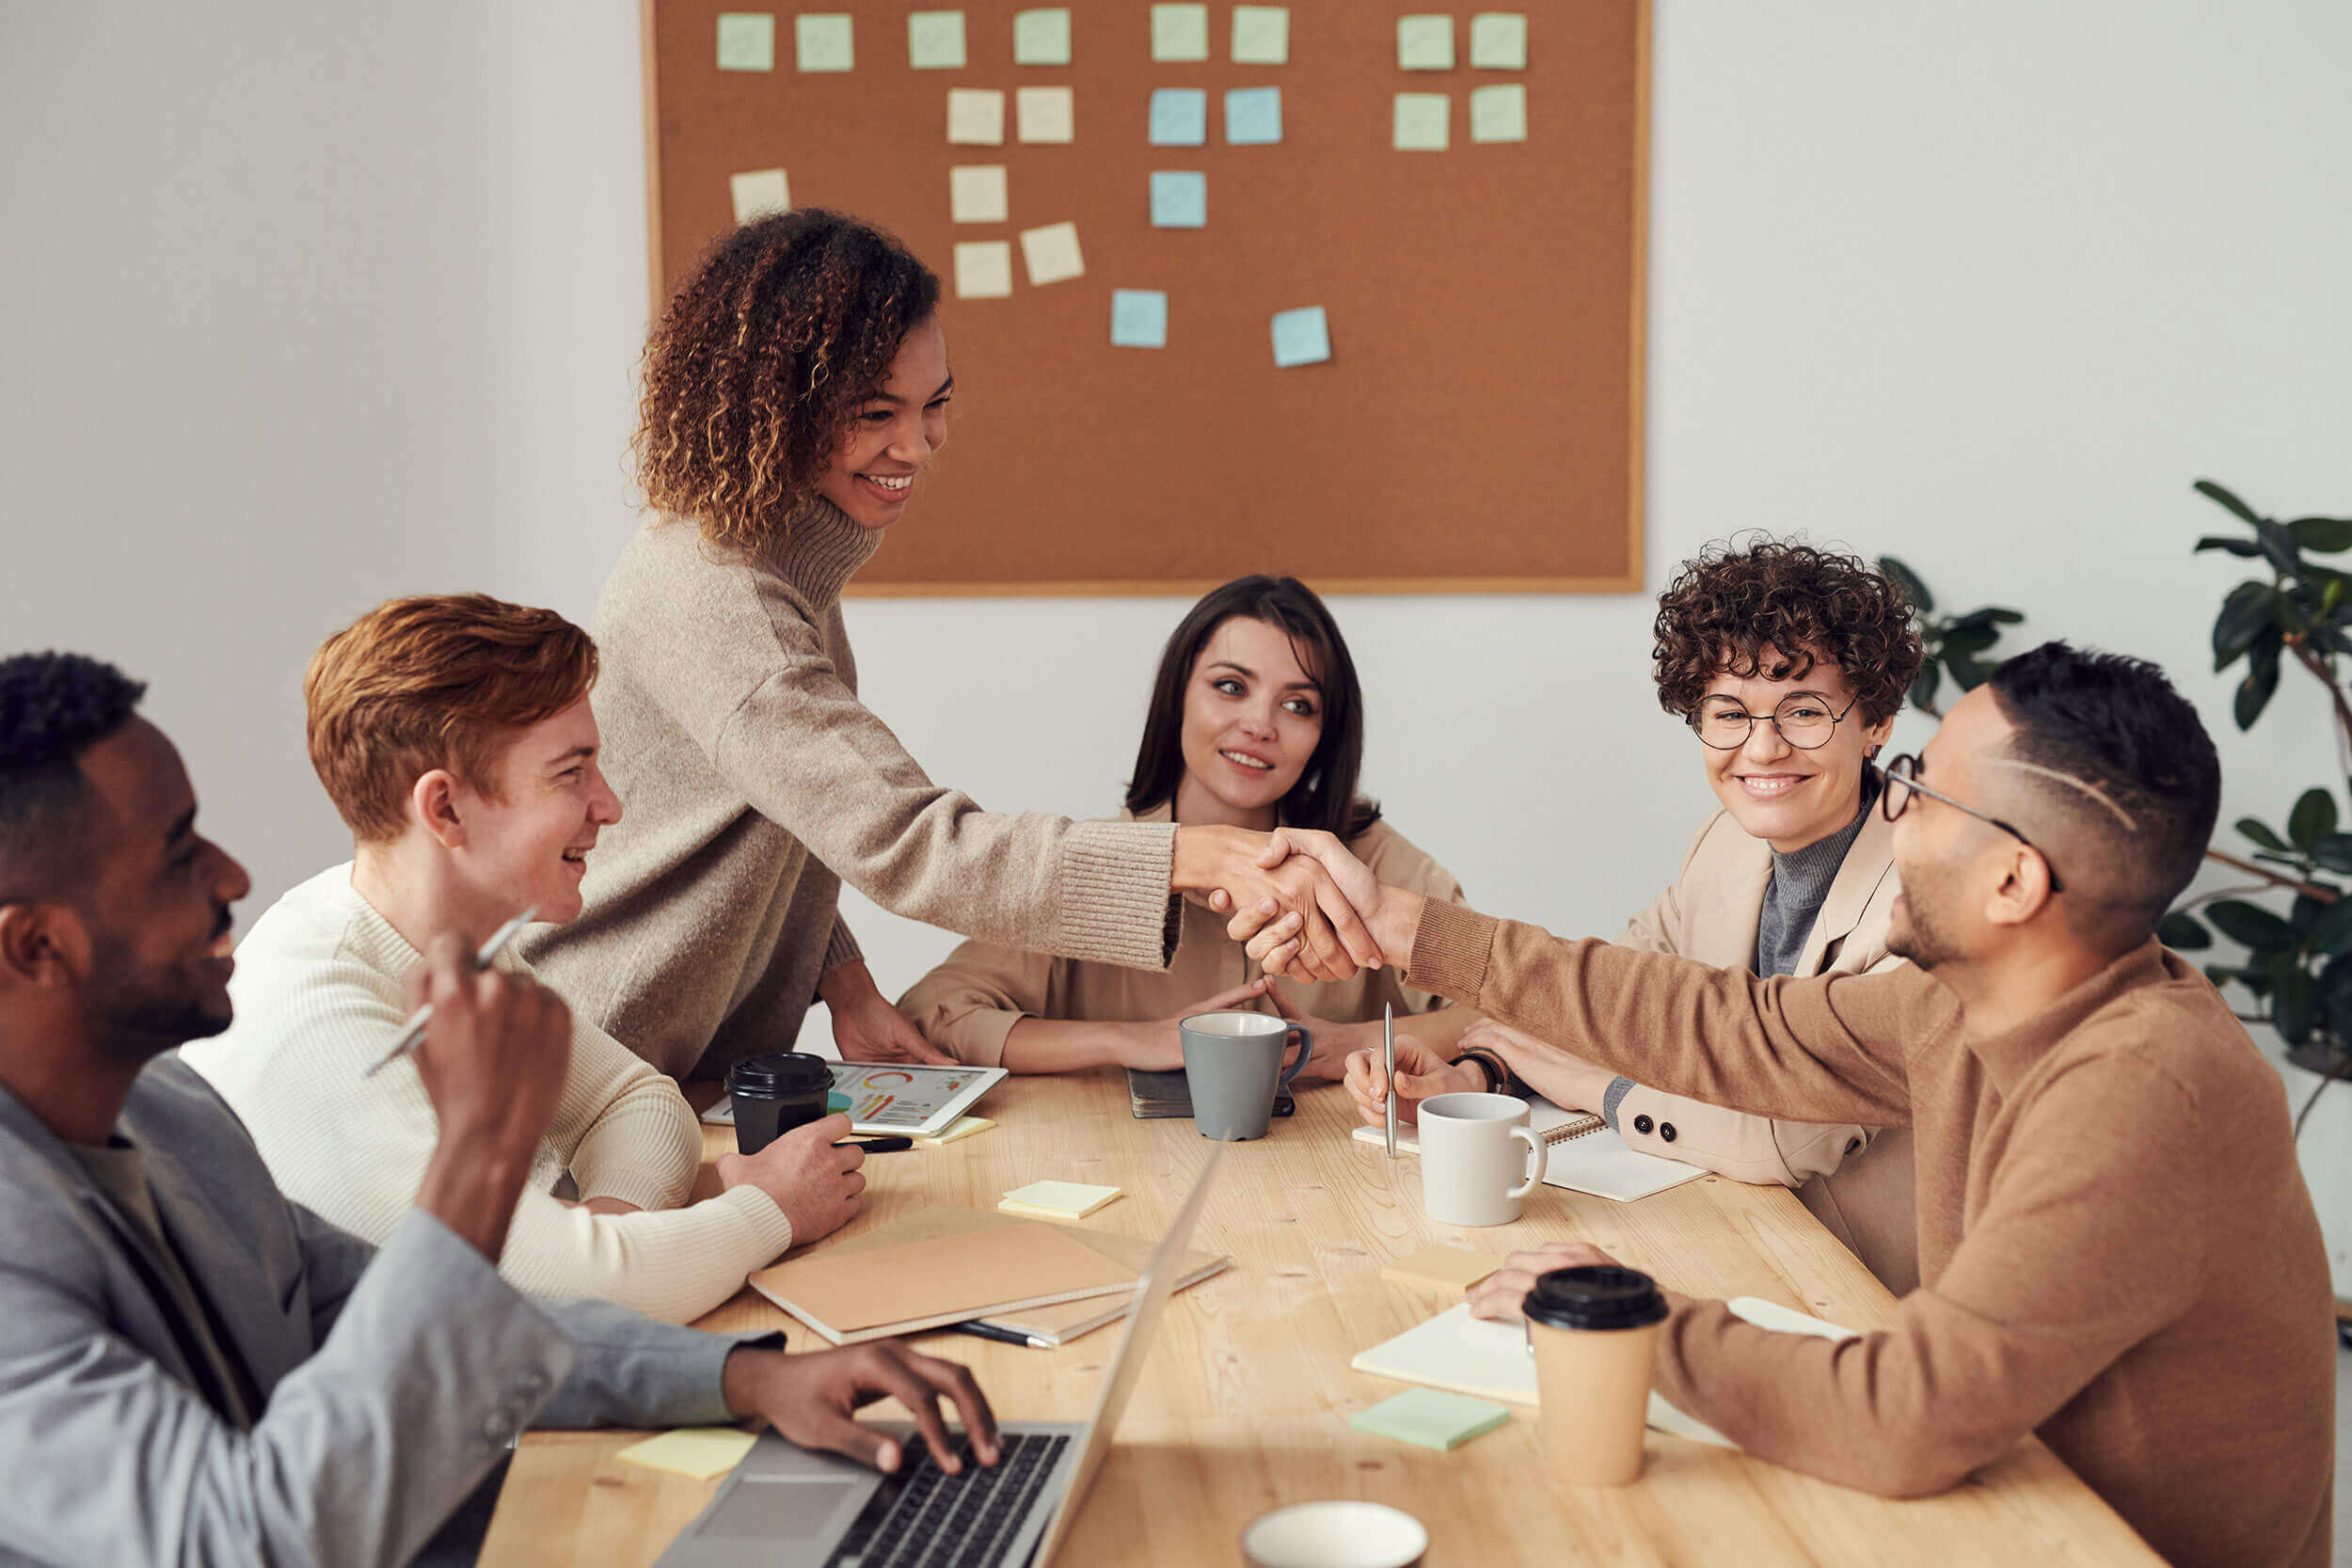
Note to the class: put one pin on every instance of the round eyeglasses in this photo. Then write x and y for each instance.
(1901, 776)
(1804, 720)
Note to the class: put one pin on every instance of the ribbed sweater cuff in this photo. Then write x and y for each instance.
(1113, 901)
(767, 1228)
(1449, 949)
(841, 949)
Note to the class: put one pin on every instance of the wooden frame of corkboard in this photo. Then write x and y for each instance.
(1479, 426)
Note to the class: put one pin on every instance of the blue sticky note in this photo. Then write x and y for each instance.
(1253, 117)
(1179, 200)
(1302, 337)
(1180, 117)
(1138, 318)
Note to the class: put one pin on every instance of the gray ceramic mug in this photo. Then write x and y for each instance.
(1234, 1066)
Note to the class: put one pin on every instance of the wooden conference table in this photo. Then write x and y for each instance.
(1244, 1405)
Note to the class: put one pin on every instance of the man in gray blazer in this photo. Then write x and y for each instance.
(193, 1369)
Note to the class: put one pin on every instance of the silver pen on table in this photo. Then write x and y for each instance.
(1387, 1054)
(422, 1016)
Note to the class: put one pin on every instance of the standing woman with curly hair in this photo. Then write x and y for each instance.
(794, 389)
(1788, 664)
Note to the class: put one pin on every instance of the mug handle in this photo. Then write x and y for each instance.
(1535, 1169)
(1306, 1049)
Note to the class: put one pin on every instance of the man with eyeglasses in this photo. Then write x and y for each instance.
(2116, 1249)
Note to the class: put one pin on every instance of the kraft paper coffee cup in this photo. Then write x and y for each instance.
(774, 1094)
(1594, 1331)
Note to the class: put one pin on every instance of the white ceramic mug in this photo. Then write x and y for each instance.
(1471, 1157)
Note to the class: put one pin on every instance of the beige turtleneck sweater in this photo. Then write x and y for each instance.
(754, 782)
(2116, 1247)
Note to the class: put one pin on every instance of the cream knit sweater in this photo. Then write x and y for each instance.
(318, 998)
(756, 783)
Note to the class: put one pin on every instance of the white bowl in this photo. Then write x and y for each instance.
(1337, 1534)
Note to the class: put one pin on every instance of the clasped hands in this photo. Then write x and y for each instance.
(1305, 907)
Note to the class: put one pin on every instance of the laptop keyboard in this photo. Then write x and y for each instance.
(922, 1517)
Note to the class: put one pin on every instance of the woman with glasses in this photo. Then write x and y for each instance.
(1788, 664)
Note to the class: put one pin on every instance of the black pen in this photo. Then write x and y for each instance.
(877, 1145)
(979, 1330)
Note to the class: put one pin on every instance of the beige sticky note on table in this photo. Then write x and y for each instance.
(977, 193)
(1424, 43)
(1497, 40)
(1262, 35)
(1421, 122)
(1052, 255)
(1041, 37)
(747, 40)
(1073, 1200)
(1044, 114)
(1444, 1267)
(1498, 113)
(700, 1452)
(1180, 32)
(983, 269)
(963, 1126)
(758, 192)
(976, 116)
(935, 40)
(823, 40)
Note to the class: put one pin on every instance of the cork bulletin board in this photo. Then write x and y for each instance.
(1468, 419)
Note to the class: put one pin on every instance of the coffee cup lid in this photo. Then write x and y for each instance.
(783, 1073)
(1596, 1295)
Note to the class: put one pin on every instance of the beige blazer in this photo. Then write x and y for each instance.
(1857, 1180)
(968, 1004)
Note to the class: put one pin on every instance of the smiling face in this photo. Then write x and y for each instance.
(1253, 716)
(526, 844)
(1780, 793)
(893, 434)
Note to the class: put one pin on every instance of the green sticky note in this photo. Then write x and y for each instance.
(1430, 1418)
(935, 40)
(1421, 122)
(1262, 35)
(700, 1452)
(1424, 43)
(1499, 40)
(1041, 37)
(823, 40)
(747, 40)
(1180, 32)
(1498, 114)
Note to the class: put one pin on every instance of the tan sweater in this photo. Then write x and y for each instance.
(968, 1004)
(755, 782)
(2117, 1247)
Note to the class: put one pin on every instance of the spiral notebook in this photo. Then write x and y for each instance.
(1586, 1155)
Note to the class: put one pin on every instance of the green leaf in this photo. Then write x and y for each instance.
(2252, 828)
(2293, 1005)
(2183, 932)
(2321, 535)
(2262, 681)
(2335, 998)
(2220, 495)
(2331, 933)
(2235, 546)
(2312, 818)
(1923, 690)
(2249, 925)
(1966, 673)
(1908, 580)
(2251, 609)
(2334, 852)
(1969, 640)
(2279, 544)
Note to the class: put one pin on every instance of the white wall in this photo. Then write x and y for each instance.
(302, 306)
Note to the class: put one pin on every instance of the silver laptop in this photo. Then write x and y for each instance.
(787, 1506)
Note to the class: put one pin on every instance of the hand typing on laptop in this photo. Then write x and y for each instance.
(810, 1398)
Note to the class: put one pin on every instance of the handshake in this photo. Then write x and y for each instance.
(1307, 907)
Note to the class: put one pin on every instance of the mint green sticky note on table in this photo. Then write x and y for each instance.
(935, 40)
(1041, 37)
(1430, 1418)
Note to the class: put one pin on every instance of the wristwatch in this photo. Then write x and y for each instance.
(1498, 1073)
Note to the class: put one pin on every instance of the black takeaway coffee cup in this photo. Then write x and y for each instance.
(774, 1094)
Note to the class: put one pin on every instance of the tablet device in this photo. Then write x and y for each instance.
(895, 1097)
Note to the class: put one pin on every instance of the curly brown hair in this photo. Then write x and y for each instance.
(1736, 599)
(759, 361)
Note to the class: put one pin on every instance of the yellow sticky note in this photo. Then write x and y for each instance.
(1041, 37)
(983, 269)
(758, 192)
(1262, 35)
(1052, 255)
(977, 193)
(1044, 114)
(1180, 32)
(935, 40)
(747, 40)
(976, 116)
(963, 1126)
(1069, 1200)
(700, 1452)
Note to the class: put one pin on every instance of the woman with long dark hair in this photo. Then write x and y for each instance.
(1256, 722)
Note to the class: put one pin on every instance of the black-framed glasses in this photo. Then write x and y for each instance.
(1804, 720)
(1901, 776)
